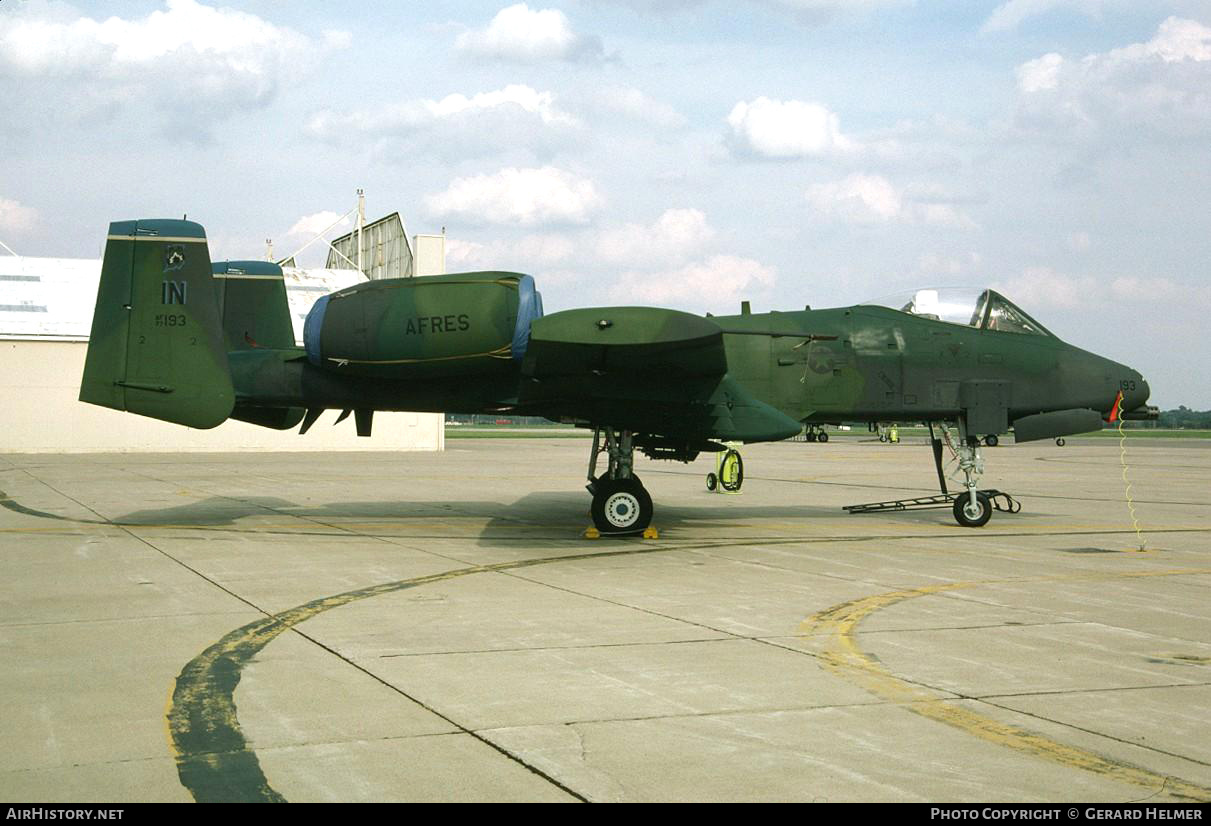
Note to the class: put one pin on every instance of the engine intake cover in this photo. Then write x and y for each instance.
(444, 325)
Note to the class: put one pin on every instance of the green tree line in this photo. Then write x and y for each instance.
(1185, 418)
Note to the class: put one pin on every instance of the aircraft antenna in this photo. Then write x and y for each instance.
(361, 222)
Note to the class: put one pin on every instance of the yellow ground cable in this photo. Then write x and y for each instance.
(1122, 455)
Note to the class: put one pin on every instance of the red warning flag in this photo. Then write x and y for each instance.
(1114, 408)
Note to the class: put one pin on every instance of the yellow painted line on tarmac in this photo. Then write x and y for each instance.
(214, 760)
(834, 631)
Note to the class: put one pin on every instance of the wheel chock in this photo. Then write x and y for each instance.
(651, 533)
(592, 533)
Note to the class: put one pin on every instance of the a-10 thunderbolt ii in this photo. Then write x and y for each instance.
(177, 340)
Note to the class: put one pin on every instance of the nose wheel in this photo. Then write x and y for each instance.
(973, 515)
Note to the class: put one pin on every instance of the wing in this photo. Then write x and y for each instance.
(648, 370)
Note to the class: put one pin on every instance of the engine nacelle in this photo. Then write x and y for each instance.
(441, 325)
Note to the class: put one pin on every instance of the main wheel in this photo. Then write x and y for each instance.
(968, 517)
(991, 440)
(823, 437)
(1059, 442)
(621, 507)
(811, 435)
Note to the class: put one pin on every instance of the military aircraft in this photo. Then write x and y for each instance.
(178, 339)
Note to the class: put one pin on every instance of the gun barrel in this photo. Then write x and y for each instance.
(1143, 413)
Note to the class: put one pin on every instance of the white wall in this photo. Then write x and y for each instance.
(40, 413)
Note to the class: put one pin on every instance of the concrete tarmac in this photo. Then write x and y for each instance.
(342, 627)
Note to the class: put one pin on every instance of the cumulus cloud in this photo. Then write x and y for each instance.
(457, 125)
(318, 222)
(1161, 291)
(636, 105)
(522, 35)
(718, 281)
(872, 199)
(675, 236)
(419, 114)
(1162, 85)
(16, 218)
(1044, 287)
(669, 261)
(786, 129)
(1009, 15)
(819, 10)
(522, 197)
(806, 11)
(1040, 74)
(188, 57)
(863, 199)
(948, 266)
(530, 253)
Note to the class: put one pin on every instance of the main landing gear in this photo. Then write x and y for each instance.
(621, 504)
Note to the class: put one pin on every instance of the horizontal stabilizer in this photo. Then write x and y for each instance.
(252, 304)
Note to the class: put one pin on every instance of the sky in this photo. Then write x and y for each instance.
(685, 153)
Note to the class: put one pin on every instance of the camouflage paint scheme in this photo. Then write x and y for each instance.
(157, 346)
(174, 341)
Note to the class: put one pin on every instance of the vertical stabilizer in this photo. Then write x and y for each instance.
(156, 346)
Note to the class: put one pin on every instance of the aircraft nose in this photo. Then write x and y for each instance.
(1135, 390)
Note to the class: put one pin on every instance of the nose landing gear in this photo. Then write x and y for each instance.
(972, 508)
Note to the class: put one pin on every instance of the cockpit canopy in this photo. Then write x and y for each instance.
(983, 310)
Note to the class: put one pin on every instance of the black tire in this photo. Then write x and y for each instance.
(731, 471)
(712, 481)
(1059, 442)
(967, 520)
(823, 437)
(621, 507)
(811, 436)
(991, 440)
